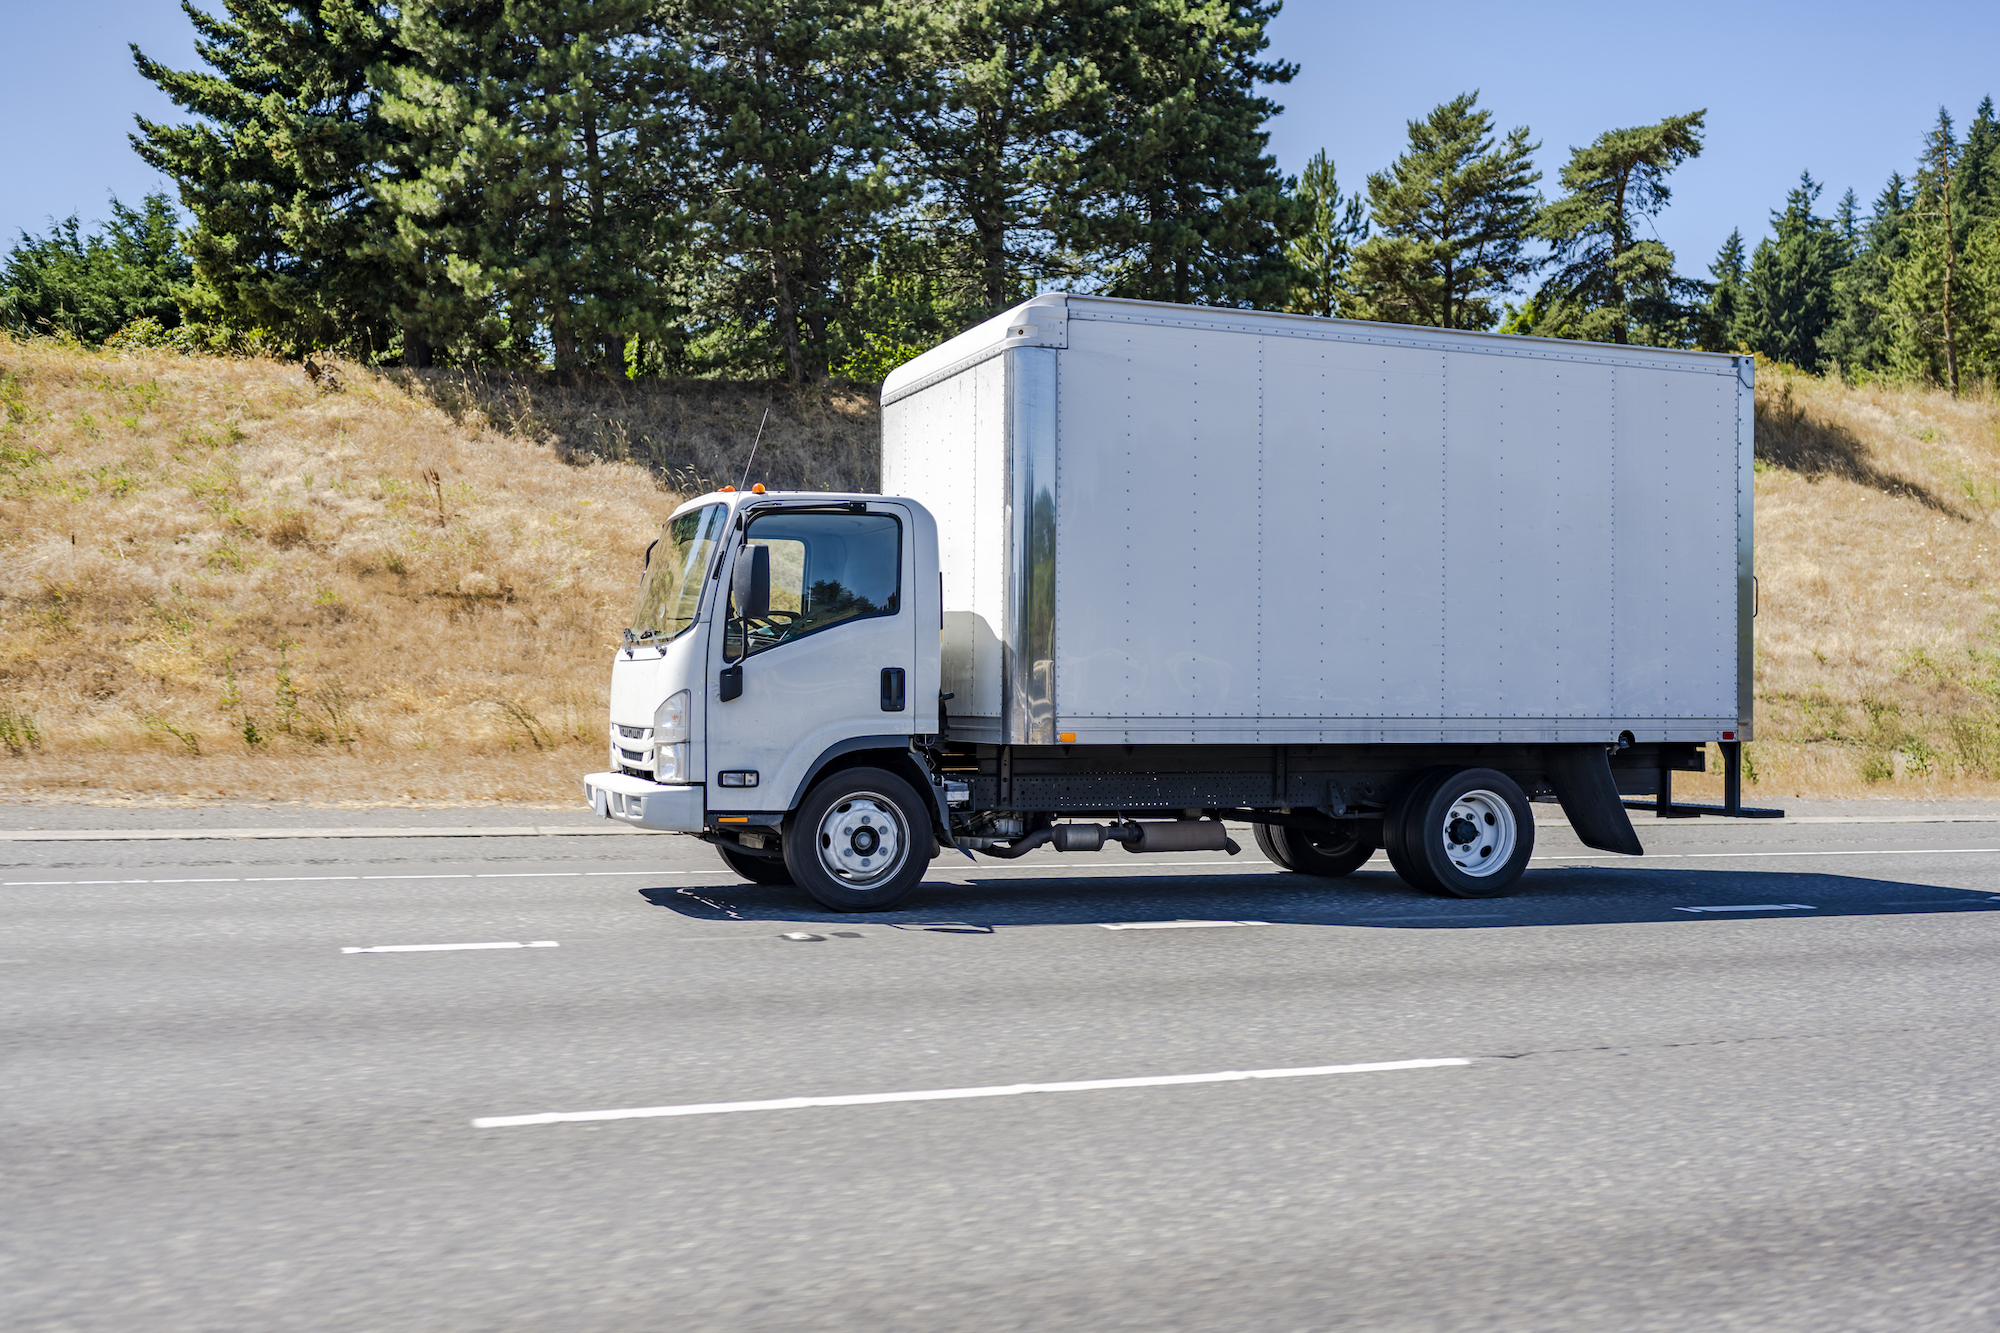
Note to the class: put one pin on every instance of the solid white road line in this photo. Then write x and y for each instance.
(453, 831)
(1754, 907)
(948, 1094)
(442, 948)
(338, 879)
(1138, 867)
(1174, 925)
(617, 829)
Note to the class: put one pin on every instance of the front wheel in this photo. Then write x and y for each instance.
(1467, 833)
(859, 841)
(1315, 853)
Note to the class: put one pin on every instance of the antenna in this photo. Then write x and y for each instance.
(753, 449)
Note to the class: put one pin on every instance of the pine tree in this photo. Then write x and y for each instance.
(1790, 285)
(1610, 284)
(1453, 217)
(519, 121)
(1180, 200)
(1002, 99)
(1847, 222)
(277, 167)
(1858, 338)
(789, 127)
(1977, 181)
(1725, 302)
(1320, 250)
(1925, 290)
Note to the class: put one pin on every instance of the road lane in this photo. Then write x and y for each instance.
(217, 1118)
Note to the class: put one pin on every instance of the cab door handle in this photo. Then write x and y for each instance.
(892, 689)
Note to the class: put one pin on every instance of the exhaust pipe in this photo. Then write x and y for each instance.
(1178, 835)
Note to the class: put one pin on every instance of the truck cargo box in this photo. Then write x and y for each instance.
(1167, 525)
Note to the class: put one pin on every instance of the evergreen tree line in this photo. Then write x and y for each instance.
(1456, 226)
(751, 187)
(812, 187)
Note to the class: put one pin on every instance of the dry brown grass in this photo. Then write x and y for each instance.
(1878, 646)
(217, 581)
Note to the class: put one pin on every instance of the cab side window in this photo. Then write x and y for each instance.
(826, 569)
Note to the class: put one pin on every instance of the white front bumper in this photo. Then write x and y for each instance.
(645, 804)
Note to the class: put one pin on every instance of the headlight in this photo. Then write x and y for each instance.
(670, 719)
(670, 763)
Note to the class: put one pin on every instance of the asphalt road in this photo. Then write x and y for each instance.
(216, 1116)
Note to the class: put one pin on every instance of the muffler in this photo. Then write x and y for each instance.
(1179, 835)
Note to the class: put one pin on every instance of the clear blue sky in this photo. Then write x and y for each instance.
(1839, 88)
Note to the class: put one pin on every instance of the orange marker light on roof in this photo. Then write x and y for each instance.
(758, 489)
(727, 489)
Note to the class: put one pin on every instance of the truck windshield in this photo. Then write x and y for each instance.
(670, 593)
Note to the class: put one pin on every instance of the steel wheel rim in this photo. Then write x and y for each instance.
(861, 839)
(1478, 833)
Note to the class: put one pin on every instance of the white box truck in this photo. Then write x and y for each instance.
(1140, 570)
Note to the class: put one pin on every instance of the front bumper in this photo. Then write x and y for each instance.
(645, 804)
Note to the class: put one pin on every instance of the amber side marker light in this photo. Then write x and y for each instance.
(1066, 737)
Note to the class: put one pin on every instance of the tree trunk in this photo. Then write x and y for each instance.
(989, 212)
(787, 317)
(417, 352)
(594, 187)
(1619, 229)
(562, 334)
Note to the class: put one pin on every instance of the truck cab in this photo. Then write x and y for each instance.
(780, 638)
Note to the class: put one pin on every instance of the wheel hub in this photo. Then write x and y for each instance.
(1479, 833)
(861, 839)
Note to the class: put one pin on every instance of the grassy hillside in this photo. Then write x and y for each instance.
(1878, 551)
(218, 579)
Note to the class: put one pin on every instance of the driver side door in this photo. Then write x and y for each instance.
(833, 660)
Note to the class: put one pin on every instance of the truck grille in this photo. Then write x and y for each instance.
(635, 733)
(635, 756)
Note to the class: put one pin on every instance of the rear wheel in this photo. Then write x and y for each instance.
(1316, 853)
(1395, 817)
(756, 869)
(859, 841)
(1467, 833)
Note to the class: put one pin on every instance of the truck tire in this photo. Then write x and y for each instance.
(1468, 833)
(756, 869)
(1393, 820)
(1310, 853)
(859, 841)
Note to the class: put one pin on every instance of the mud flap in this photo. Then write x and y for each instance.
(1581, 775)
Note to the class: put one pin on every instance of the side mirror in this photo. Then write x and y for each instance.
(750, 583)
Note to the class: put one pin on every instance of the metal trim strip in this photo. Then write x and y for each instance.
(1746, 545)
(1028, 683)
